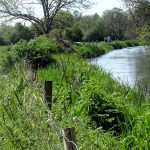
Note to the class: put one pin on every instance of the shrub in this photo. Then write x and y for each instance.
(36, 53)
(73, 34)
(88, 50)
(118, 44)
(145, 38)
(106, 46)
(94, 49)
(132, 43)
(55, 34)
(8, 59)
(46, 44)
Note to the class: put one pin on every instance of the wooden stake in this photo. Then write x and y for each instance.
(69, 138)
(48, 93)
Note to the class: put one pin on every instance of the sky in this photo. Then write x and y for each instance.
(98, 7)
(102, 5)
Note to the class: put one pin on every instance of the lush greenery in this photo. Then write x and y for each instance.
(90, 50)
(89, 95)
(117, 23)
(37, 52)
(106, 115)
(12, 34)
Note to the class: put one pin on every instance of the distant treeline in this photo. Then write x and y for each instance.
(116, 23)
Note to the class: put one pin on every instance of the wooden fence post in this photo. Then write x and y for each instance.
(69, 138)
(48, 93)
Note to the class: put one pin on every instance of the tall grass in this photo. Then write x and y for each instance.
(74, 83)
(80, 91)
(25, 121)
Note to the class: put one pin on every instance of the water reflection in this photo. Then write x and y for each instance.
(129, 65)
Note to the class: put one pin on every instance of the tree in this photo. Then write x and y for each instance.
(12, 34)
(97, 31)
(63, 19)
(21, 32)
(139, 11)
(115, 22)
(73, 34)
(24, 9)
(92, 27)
(6, 33)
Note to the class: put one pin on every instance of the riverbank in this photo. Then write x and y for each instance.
(105, 114)
(78, 94)
(103, 109)
(91, 50)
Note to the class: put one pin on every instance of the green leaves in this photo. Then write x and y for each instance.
(37, 52)
(105, 113)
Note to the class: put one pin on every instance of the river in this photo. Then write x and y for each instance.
(130, 66)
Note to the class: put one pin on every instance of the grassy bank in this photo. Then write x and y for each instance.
(90, 50)
(88, 95)
(105, 114)
(81, 94)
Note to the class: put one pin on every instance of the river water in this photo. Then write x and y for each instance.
(130, 66)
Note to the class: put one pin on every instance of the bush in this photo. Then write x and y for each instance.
(46, 44)
(131, 43)
(106, 46)
(145, 38)
(94, 49)
(7, 58)
(118, 44)
(55, 34)
(88, 50)
(73, 34)
(37, 52)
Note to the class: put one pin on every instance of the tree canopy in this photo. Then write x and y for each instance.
(25, 9)
(139, 11)
(63, 24)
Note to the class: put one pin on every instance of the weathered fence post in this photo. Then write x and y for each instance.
(48, 93)
(69, 138)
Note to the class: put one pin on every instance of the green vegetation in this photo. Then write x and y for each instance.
(12, 34)
(89, 95)
(90, 50)
(145, 38)
(73, 26)
(106, 115)
(37, 52)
